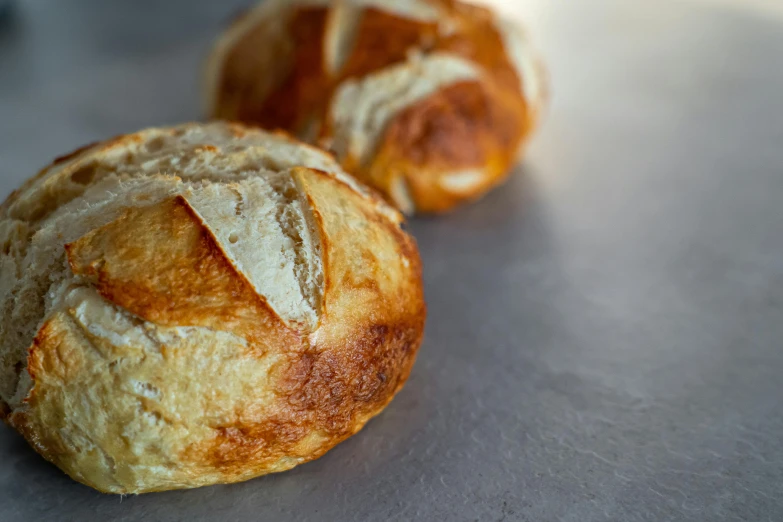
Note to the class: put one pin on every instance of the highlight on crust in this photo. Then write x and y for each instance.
(429, 101)
(184, 306)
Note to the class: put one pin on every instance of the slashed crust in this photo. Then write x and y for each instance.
(159, 366)
(328, 46)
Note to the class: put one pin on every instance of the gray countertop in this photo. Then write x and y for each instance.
(605, 339)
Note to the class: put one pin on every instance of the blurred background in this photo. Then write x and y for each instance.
(73, 70)
(605, 333)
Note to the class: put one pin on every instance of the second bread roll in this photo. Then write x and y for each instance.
(429, 101)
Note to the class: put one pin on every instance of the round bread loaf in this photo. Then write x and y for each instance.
(429, 101)
(200, 304)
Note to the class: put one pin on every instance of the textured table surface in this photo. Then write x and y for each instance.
(605, 338)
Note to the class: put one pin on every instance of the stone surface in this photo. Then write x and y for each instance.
(605, 330)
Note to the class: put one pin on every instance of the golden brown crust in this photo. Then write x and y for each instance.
(371, 327)
(193, 283)
(476, 38)
(185, 376)
(382, 38)
(50, 354)
(299, 95)
(54, 359)
(463, 126)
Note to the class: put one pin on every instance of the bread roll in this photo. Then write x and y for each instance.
(429, 101)
(198, 305)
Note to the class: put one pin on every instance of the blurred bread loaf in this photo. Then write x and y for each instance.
(200, 304)
(429, 101)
